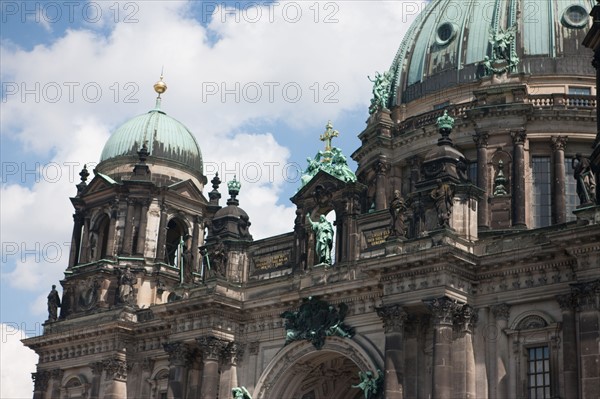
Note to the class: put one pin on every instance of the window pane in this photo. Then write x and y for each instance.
(547, 392)
(546, 365)
(540, 392)
(542, 200)
(546, 352)
(572, 199)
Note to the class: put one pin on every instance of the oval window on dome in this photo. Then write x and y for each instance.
(575, 16)
(445, 33)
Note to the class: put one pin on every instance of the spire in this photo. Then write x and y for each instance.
(215, 195)
(84, 174)
(160, 87)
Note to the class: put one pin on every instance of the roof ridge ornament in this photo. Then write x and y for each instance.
(445, 124)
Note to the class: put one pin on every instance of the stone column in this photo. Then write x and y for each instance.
(162, 235)
(570, 367)
(180, 357)
(483, 215)
(128, 231)
(97, 369)
(393, 317)
(147, 366)
(40, 383)
(116, 379)
(518, 184)
(463, 357)
(56, 376)
(501, 368)
(85, 241)
(112, 229)
(381, 168)
(443, 310)
(559, 188)
(75, 239)
(588, 306)
(196, 243)
(141, 239)
(232, 354)
(212, 349)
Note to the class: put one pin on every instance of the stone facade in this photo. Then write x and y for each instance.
(482, 292)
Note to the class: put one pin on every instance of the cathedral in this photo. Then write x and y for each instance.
(463, 261)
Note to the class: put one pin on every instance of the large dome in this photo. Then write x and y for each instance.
(166, 138)
(448, 43)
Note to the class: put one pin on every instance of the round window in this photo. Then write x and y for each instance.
(445, 33)
(575, 16)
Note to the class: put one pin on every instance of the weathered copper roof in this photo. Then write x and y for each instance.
(448, 42)
(165, 137)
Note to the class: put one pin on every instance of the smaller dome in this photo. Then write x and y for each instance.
(165, 137)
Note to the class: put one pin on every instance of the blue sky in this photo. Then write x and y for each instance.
(256, 83)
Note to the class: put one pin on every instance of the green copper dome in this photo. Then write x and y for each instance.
(451, 42)
(165, 137)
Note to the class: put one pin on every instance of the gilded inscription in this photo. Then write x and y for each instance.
(376, 237)
(271, 261)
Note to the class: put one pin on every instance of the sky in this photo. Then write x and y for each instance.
(255, 82)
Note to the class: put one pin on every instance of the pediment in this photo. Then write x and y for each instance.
(321, 181)
(100, 182)
(188, 190)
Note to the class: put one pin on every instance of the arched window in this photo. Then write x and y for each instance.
(176, 231)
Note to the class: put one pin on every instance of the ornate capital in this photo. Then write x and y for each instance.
(466, 318)
(382, 167)
(567, 301)
(180, 353)
(96, 367)
(40, 380)
(147, 364)
(558, 143)
(481, 139)
(393, 317)
(519, 137)
(212, 348)
(587, 295)
(443, 309)
(57, 374)
(233, 352)
(116, 369)
(501, 311)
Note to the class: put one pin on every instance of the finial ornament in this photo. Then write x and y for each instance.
(329, 134)
(445, 121)
(234, 186)
(160, 87)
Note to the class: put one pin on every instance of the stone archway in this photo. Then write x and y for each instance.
(300, 371)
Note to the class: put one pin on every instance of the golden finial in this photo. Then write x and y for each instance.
(329, 135)
(160, 87)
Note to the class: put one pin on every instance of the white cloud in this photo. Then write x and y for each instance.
(90, 80)
(16, 364)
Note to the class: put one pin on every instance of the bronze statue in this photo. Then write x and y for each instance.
(53, 304)
(241, 393)
(187, 261)
(586, 184)
(369, 384)
(324, 234)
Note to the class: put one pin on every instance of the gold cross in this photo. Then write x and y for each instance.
(329, 135)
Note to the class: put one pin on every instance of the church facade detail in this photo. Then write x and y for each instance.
(464, 261)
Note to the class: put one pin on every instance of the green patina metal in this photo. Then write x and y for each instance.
(504, 54)
(240, 393)
(371, 385)
(445, 122)
(381, 91)
(234, 186)
(314, 321)
(165, 137)
(449, 41)
(332, 160)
